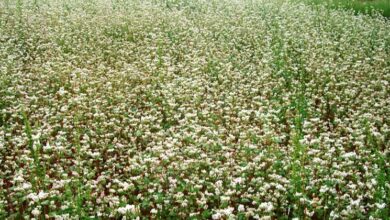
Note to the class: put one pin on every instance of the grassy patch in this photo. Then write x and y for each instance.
(359, 6)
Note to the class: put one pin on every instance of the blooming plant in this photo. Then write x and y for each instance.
(192, 109)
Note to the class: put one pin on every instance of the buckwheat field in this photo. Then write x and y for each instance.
(193, 109)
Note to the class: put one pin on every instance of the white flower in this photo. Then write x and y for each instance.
(267, 206)
(323, 189)
(237, 181)
(219, 183)
(153, 211)
(127, 209)
(217, 216)
(241, 208)
(355, 202)
(349, 155)
(35, 212)
(26, 186)
(380, 206)
(225, 198)
(61, 91)
(42, 195)
(33, 196)
(228, 211)
(47, 147)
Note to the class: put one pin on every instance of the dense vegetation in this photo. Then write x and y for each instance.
(360, 6)
(195, 109)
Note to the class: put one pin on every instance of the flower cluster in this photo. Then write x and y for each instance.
(252, 109)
